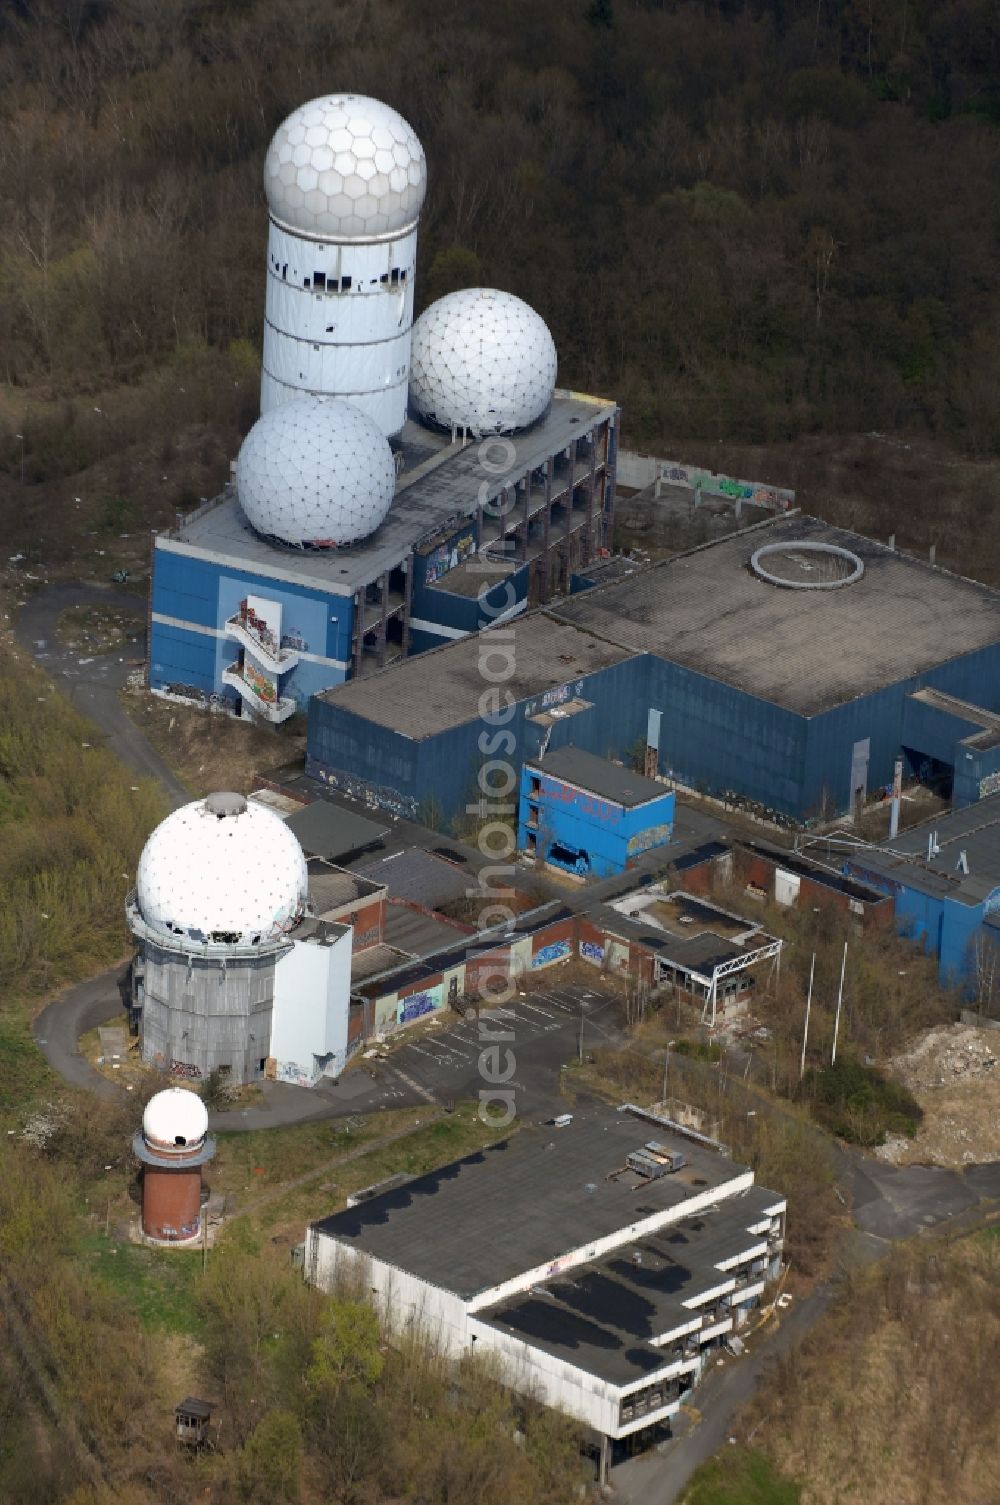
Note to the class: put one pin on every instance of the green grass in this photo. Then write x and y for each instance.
(740, 1476)
(24, 1075)
(255, 1164)
(157, 1285)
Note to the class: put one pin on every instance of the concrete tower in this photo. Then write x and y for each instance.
(173, 1146)
(221, 883)
(345, 178)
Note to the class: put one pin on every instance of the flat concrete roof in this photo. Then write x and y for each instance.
(332, 887)
(435, 691)
(974, 830)
(328, 830)
(805, 650)
(419, 875)
(442, 485)
(410, 929)
(612, 781)
(525, 1201)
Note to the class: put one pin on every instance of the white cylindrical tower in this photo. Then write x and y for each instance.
(345, 178)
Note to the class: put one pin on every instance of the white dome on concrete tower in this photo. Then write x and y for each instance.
(481, 360)
(222, 869)
(345, 167)
(315, 472)
(176, 1119)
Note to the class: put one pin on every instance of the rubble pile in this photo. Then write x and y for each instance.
(954, 1073)
(948, 1055)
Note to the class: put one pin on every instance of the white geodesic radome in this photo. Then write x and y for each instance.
(315, 472)
(481, 360)
(175, 1119)
(222, 869)
(345, 167)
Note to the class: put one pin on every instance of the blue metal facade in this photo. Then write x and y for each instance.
(713, 738)
(456, 614)
(946, 927)
(189, 652)
(438, 776)
(583, 832)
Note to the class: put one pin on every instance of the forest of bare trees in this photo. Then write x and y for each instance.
(746, 220)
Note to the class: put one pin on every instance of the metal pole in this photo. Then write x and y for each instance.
(805, 1033)
(840, 999)
(580, 1042)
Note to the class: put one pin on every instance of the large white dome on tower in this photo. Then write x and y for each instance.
(175, 1119)
(315, 472)
(225, 869)
(481, 360)
(345, 167)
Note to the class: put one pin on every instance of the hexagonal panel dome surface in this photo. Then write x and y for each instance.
(345, 167)
(482, 360)
(237, 876)
(315, 472)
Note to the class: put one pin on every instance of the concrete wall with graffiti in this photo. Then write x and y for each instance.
(416, 1005)
(639, 470)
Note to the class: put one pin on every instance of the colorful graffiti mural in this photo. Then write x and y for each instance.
(448, 556)
(990, 784)
(418, 1004)
(186, 1070)
(591, 951)
(555, 951)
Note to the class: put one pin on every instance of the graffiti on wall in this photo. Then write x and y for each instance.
(653, 836)
(418, 1004)
(448, 556)
(186, 1070)
(591, 951)
(294, 638)
(698, 479)
(291, 1071)
(558, 695)
(989, 784)
(555, 951)
(375, 796)
(259, 682)
(215, 700)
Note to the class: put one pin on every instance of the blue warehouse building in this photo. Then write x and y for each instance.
(945, 878)
(259, 628)
(588, 816)
(790, 664)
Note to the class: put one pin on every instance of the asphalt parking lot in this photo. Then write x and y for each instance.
(440, 1062)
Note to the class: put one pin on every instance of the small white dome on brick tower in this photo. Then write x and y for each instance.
(222, 869)
(175, 1119)
(345, 167)
(481, 360)
(315, 472)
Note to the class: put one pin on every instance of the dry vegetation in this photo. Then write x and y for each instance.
(313, 1402)
(768, 230)
(72, 827)
(209, 751)
(892, 1395)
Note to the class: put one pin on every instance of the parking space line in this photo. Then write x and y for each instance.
(544, 1012)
